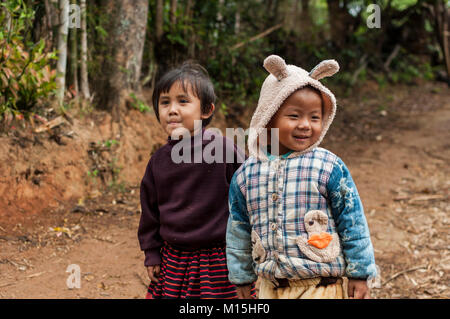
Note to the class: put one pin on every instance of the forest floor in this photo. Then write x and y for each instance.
(396, 143)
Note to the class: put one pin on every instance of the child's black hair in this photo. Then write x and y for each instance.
(191, 75)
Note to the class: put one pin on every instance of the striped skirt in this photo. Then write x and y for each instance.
(193, 274)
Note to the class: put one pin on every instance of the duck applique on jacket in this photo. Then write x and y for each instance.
(320, 245)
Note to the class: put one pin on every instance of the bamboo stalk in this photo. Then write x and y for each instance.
(74, 57)
(62, 49)
(84, 49)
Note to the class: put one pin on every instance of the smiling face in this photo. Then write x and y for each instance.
(299, 120)
(179, 109)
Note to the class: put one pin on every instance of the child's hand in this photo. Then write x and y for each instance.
(153, 272)
(357, 289)
(244, 292)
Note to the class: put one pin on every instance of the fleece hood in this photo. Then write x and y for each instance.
(282, 81)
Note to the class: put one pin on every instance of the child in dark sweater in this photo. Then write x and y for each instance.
(185, 203)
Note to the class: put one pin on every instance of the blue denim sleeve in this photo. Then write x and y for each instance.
(351, 224)
(238, 238)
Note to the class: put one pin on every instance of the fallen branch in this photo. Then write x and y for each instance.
(49, 125)
(7, 284)
(106, 239)
(404, 272)
(36, 275)
(258, 36)
(425, 198)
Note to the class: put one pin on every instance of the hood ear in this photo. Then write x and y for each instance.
(276, 66)
(324, 69)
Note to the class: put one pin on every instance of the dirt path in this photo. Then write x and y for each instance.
(404, 184)
(402, 176)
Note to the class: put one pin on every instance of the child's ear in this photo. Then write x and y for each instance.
(205, 116)
(324, 69)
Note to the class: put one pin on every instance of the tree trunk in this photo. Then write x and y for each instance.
(219, 11)
(292, 16)
(74, 56)
(159, 20)
(173, 12)
(446, 34)
(62, 49)
(237, 21)
(342, 23)
(188, 9)
(51, 12)
(84, 50)
(442, 30)
(122, 67)
(190, 35)
(305, 15)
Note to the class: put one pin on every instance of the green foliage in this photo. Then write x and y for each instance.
(93, 173)
(138, 104)
(209, 34)
(92, 176)
(115, 169)
(25, 75)
(109, 143)
(403, 4)
(223, 109)
(105, 168)
(407, 68)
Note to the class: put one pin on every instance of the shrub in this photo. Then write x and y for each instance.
(25, 75)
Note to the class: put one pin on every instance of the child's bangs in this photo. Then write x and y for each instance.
(188, 84)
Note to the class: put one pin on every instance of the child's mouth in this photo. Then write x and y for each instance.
(301, 138)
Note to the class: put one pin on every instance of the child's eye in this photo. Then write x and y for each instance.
(293, 115)
(184, 101)
(316, 117)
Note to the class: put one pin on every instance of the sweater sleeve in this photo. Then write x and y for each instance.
(238, 237)
(351, 224)
(148, 232)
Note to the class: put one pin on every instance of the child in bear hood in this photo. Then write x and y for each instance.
(296, 219)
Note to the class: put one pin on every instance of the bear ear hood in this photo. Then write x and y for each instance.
(276, 66)
(324, 69)
(282, 81)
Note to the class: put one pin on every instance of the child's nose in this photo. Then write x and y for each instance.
(173, 109)
(303, 123)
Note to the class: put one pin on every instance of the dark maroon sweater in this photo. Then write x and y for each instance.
(185, 204)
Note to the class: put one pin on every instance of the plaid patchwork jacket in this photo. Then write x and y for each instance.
(297, 218)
